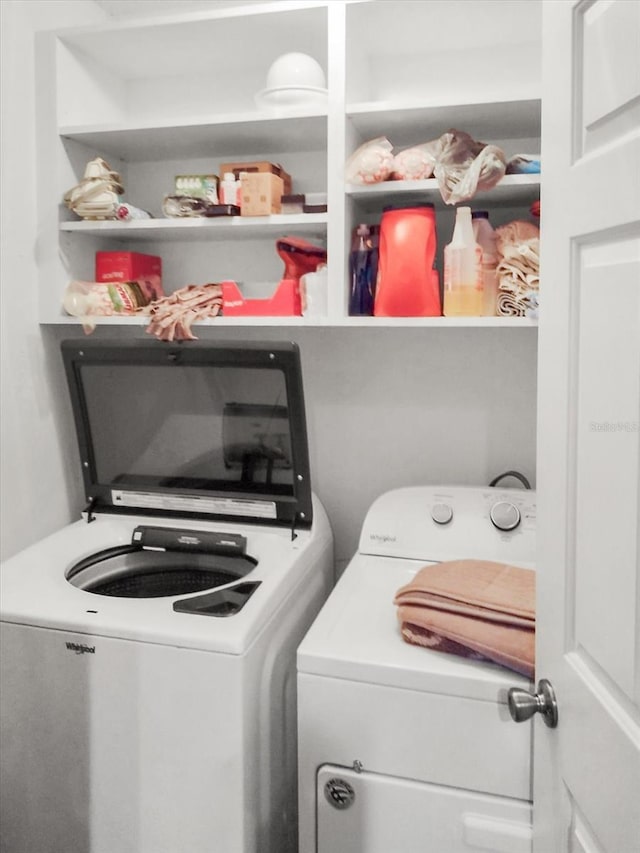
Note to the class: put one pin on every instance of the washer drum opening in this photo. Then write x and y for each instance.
(131, 572)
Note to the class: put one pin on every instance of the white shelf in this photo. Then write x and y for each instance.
(416, 122)
(341, 322)
(243, 133)
(196, 228)
(512, 189)
(170, 95)
(201, 42)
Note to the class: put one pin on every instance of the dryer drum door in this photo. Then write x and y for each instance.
(366, 812)
(129, 571)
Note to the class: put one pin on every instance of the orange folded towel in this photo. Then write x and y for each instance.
(474, 608)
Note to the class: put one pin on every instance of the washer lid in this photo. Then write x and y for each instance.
(192, 429)
(357, 637)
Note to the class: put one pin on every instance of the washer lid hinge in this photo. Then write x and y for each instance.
(89, 510)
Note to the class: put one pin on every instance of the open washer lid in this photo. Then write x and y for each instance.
(192, 429)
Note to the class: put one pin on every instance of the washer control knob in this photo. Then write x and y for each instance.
(441, 513)
(505, 515)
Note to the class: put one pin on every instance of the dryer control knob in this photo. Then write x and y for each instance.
(441, 513)
(505, 515)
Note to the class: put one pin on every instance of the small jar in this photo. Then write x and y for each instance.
(230, 190)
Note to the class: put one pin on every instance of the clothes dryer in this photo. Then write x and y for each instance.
(402, 748)
(148, 650)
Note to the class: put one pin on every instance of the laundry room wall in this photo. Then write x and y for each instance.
(385, 408)
(39, 493)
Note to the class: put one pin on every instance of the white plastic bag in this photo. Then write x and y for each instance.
(465, 166)
(416, 163)
(371, 163)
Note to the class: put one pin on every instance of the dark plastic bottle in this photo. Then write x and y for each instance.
(363, 270)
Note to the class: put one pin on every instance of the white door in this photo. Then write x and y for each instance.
(587, 770)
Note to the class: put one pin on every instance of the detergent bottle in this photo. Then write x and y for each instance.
(407, 283)
(363, 270)
(463, 290)
(486, 239)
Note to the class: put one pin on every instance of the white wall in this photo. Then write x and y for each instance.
(385, 408)
(38, 492)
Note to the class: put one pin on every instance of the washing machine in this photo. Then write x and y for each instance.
(403, 749)
(148, 649)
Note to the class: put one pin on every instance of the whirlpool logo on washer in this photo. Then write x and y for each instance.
(382, 538)
(81, 648)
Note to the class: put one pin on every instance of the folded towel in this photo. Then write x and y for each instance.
(474, 608)
(516, 304)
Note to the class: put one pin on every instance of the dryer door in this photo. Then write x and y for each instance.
(370, 813)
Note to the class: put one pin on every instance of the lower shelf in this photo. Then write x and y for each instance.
(339, 322)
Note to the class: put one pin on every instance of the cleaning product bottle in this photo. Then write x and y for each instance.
(363, 269)
(486, 239)
(230, 189)
(463, 293)
(407, 284)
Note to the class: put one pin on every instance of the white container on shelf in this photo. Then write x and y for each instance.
(230, 190)
(463, 290)
(486, 239)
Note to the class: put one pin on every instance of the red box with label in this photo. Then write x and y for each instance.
(131, 266)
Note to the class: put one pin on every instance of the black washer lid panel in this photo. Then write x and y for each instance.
(192, 429)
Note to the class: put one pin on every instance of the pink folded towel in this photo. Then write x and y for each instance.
(474, 608)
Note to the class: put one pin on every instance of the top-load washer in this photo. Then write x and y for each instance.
(403, 749)
(148, 650)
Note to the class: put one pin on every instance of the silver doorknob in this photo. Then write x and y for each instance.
(523, 705)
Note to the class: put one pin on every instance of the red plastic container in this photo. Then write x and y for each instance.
(285, 301)
(407, 283)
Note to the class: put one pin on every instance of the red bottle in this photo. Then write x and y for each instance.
(407, 285)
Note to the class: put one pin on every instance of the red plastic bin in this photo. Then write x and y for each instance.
(285, 301)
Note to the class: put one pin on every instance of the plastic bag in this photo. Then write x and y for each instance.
(465, 166)
(88, 299)
(371, 163)
(416, 163)
(524, 164)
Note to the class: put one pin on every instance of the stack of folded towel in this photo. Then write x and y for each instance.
(518, 271)
(474, 608)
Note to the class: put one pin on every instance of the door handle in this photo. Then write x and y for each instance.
(523, 704)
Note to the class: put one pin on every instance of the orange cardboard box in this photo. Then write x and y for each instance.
(261, 194)
(258, 166)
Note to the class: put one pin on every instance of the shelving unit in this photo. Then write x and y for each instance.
(512, 190)
(117, 94)
(196, 228)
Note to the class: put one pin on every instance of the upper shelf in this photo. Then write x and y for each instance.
(512, 189)
(404, 121)
(197, 228)
(269, 134)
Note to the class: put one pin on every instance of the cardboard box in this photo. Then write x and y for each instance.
(258, 166)
(198, 186)
(131, 266)
(261, 194)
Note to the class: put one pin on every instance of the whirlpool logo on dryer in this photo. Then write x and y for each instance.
(81, 648)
